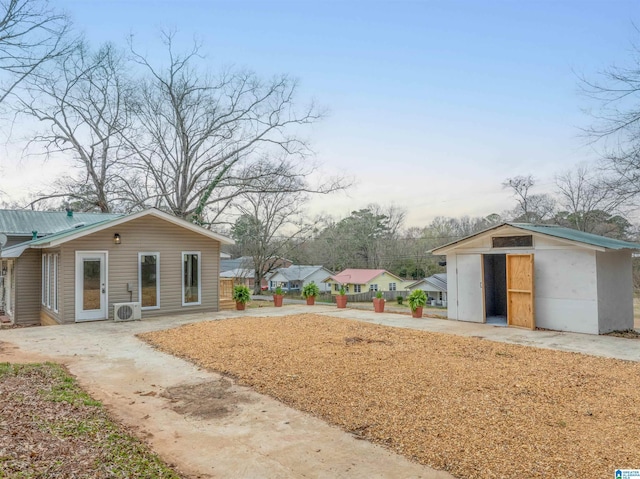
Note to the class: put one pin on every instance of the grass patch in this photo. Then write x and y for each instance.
(52, 428)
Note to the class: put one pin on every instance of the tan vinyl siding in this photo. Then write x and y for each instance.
(147, 234)
(28, 287)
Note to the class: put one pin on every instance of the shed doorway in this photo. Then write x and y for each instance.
(495, 288)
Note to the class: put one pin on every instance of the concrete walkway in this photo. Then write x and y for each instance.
(605, 346)
(259, 438)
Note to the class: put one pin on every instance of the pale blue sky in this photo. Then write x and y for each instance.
(432, 104)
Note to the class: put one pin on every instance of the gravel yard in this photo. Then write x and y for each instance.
(473, 407)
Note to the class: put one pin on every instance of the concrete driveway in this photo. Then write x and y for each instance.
(253, 436)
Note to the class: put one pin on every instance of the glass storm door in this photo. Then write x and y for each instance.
(91, 286)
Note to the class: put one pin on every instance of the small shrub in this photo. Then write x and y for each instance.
(417, 299)
(399, 299)
(241, 294)
(310, 290)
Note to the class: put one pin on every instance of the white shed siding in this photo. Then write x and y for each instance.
(566, 290)
(615, 291)
(469, 286)
(452, 289)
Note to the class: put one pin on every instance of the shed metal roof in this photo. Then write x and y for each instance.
(575, 235)
(555, 231)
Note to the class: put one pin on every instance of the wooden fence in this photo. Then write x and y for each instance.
(369, 295)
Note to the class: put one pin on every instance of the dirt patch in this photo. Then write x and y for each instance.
(629, 334)
(476, 408)
(213, 399)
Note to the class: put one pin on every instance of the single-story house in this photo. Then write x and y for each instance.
(435, 286)
(160, 263)
(295, 277)
(363, 280)
(242, 266)
(544, 276)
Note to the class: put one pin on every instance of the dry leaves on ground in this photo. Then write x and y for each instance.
(50, 428)
(476, 408)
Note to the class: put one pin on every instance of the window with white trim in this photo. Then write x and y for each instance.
(357, 288)
(54, 283)
(336, 287)
(149, 280)
(191, 287)
(373, 287)
(50, 281)
(392, 286)
(45, 282)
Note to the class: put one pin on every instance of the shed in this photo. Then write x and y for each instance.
(544, 276)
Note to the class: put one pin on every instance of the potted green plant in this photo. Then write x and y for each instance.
(241, 295)
(378, 302)
(277, 297)
(341, 298)
(309, 292)
(417, 299)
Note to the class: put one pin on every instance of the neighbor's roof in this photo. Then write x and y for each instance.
(299, 272)
(575, 236)
(24, 222)
(238, 273)
(360, 276)
(437, 281)
(245, 262)
(56, 239)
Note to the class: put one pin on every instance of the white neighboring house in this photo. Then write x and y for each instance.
(295, 277)
(435, 286)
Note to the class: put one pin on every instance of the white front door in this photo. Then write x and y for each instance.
(470, 297)
(91, 285)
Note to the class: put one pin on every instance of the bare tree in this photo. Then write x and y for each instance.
(203, 140)
(84, 105)
(532, 208)
(270, 224)
(31, 34)
(615, 130)
(589, 199)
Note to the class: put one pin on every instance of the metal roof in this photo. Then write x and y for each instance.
(360, 276)
(575, 235)
(79, 231)
(555, 231)
(24, 222)
(298, 272)
(437, 281)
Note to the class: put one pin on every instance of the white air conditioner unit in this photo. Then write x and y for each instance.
(126, 311)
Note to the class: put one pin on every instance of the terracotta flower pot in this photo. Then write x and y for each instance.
(417, 313)
(378, 305)
(341, 300)
(277, 300)
(240, 306)
(311, 300)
